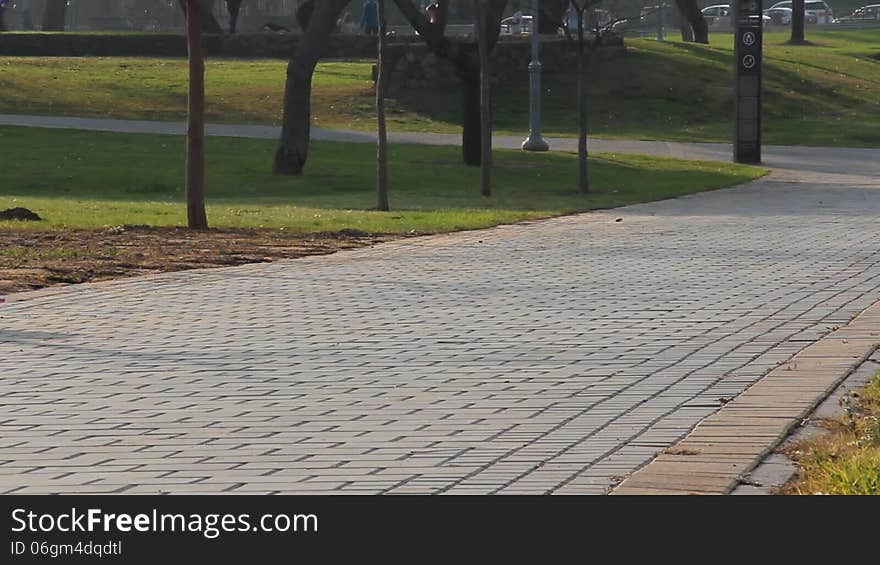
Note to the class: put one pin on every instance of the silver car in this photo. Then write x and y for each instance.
(812, 8)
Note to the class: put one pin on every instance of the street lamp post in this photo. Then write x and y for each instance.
(535, 142)
(72, 11)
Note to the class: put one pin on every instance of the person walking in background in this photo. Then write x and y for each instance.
(370, 18)
(2, 14)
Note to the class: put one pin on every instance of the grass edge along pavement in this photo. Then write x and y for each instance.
(84, 184)
(846, 459)
(98, 214)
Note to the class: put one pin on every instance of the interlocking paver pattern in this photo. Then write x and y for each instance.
(714, 457)
(550, 357)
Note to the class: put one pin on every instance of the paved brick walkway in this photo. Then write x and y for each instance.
(555, 356)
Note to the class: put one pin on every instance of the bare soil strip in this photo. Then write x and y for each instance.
(35, 259)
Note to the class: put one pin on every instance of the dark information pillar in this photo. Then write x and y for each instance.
(747, 82)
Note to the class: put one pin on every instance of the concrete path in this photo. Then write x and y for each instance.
(817, 159)
(550, 357)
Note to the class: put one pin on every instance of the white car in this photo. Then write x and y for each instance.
(516, 24)
(864, 13)
(812, 8)
(717, 16)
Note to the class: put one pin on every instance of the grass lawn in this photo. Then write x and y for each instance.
(847, 459)
(827, 93)
(89, 179)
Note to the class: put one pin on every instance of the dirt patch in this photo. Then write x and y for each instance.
(22, 214)
(33, 259)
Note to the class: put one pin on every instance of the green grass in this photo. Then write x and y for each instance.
(847, 460)
(827, 93)
(152, 88)
(87, 179)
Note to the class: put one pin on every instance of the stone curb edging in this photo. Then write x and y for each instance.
(733, 441)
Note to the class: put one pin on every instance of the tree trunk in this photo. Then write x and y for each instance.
(687, 33)
(195, 133)
(694, 17)
(234, 8)
(382, 149)
(293, 148)
(304, 14)
(583, 172)
(55, 15)
(552, 16)
(206, 16)
(797, 22)
(465, 60)
(471, 128)
(485, 118)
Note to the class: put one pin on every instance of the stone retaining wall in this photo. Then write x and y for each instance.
(414, 66)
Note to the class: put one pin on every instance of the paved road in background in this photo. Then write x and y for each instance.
(817, 159)
(547, 357)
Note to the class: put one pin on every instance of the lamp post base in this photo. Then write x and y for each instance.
(535, 143)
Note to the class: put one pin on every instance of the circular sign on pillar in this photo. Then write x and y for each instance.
(749, 38)
(749, 61)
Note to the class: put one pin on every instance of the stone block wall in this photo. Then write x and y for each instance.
(413, 66)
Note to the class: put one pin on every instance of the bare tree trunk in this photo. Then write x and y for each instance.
(471, 125)
(485, 118)
(293, 147)
(206, 16)
(55, 15)
(319, 19)
(687, 33)
(552, 16)
(692, 14)
(304, 13)
(797, 22)
(464, 59)
(583, 172)
(195, 134)
(382, 149)
(234, 8)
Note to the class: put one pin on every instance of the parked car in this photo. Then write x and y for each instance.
(779, 16)
(812, 9)
(782, 16)
(516, 24)
(645, 21)
(871, 12)
(717, 16)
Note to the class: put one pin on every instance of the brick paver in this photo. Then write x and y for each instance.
(731, 442)
(550, 357)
